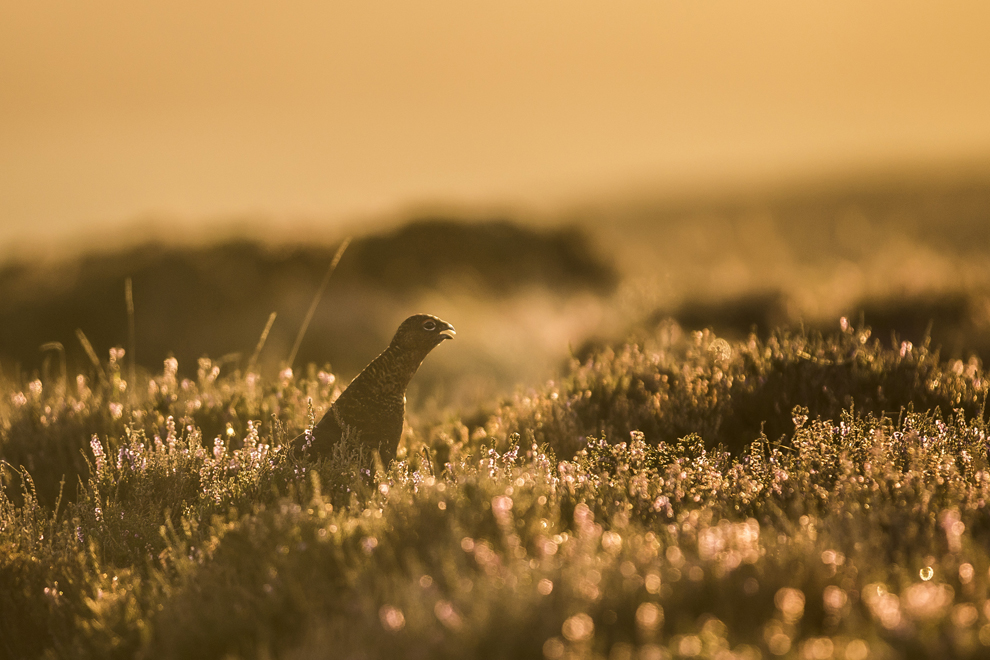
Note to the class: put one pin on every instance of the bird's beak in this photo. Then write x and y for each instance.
(448, 332)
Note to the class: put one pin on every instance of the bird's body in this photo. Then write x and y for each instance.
(370, 412)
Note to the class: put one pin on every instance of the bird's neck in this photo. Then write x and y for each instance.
(395, 367)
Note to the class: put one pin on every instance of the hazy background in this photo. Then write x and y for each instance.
(734, 165)
(194, 113)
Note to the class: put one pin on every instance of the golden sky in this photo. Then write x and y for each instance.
(197, 110)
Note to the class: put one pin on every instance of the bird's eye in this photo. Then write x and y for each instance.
(429, 326)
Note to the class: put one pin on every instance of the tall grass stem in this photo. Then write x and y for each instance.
(261, 341)
(316, 301)
(92, 355)
(131, 336)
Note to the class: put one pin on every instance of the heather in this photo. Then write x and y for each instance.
(674, 495)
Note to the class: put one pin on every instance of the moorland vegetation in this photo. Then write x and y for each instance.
(676, 495)
(717, 467)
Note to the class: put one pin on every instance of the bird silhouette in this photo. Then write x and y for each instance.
(371, 410)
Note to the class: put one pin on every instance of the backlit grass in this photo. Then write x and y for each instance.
(675, 496)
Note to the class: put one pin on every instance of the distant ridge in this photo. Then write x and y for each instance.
(214, 299)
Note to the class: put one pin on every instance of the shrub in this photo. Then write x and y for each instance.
(575, 521)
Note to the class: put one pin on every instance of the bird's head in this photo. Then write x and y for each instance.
(422, 332)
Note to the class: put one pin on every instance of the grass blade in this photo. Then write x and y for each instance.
(92, 355)
(261, 342)
(131, 336)
(316, 301)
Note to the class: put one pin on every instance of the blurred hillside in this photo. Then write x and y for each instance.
(908, 254)
(215, 300)
(909, 257)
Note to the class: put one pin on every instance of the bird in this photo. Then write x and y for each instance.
(371, 410)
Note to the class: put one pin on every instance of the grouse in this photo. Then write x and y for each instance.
(370, 411)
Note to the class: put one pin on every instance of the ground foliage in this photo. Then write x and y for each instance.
(676, 496)
(669, 385)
